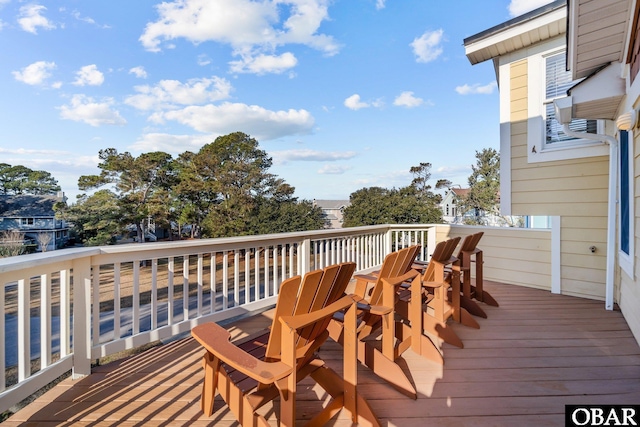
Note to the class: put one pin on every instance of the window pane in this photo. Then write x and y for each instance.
(558, 81)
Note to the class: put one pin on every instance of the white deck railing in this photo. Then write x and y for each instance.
(61, 310)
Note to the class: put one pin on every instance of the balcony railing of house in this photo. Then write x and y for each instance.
(61, 310)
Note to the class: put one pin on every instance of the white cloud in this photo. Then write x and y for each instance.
(477, 89)
(262, 64)
(307, 155)
(428, 46)
(203, 60)
(333, 169)
(84, 109)
(31, 18)
(254, 30)
(354, 103)
(139, 72)
(35, 74)
(256, 121)
(174, 144)
(519, 7)
(380, 4)
(169, 93)
(406, 99)
(89, 75)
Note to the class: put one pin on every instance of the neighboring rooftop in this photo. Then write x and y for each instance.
(21, 206)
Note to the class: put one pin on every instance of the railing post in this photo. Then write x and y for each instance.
(388, 241)
(82, 317)
(304, 257)
(431, 241)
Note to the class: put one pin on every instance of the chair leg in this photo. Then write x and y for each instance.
(467, 319)
(385, 368)
(211, 366)
(335, 386)
(484, 296)
(472, 307)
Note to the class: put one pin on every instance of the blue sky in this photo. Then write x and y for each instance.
(343, 94)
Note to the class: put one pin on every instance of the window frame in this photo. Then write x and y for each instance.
(537, 148)
(626, 259)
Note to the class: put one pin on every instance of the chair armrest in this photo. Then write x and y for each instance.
(301, 320)
(432, 284)
(378, 310)
(395, 281)
(216, 340)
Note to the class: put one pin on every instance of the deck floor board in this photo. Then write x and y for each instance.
(534, 354)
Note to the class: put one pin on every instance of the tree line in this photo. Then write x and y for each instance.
(225, 189)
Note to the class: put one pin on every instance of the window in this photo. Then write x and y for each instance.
(626, 203)
(557, 82)
(26, 221)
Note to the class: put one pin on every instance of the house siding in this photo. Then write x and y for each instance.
(575, 190)
(518, 256)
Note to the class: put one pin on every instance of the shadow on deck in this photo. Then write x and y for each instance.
(534, 354)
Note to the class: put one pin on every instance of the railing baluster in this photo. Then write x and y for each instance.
(225, 280)
(185, 287)
(200, 283)
(65, 314)
(275, 269)
(45, 320)
(95, 318)
(247, 275)
(256, 282)
(117, 333)
(170, 302)
(236, 278)
(136, 298)
(213, 270)
(266, 272)
(24, 330)
(154, 293)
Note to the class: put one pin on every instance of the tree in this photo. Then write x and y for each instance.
(17, 180)
(43, 240)
(484, 186)
(376, 205)
(139, 183)
(12, 243)
(95, 218)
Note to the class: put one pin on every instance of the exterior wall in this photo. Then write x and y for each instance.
(628, 292)
(575, 190)
(511, 255)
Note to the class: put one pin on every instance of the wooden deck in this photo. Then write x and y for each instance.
(534, 354)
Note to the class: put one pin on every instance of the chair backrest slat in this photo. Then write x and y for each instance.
(394, 265)
(298, 295)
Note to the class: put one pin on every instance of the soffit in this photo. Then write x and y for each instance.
(599, 95)
(539, 25)
(597, 34)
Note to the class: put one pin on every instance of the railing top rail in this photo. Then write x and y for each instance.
(33, 260)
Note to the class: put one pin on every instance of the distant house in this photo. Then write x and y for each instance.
(34, 216)
(449, 205)
(332, 210)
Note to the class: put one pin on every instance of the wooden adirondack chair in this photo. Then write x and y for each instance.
(378, 294)
(264, 367)
(441, 272)
(470, 253)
